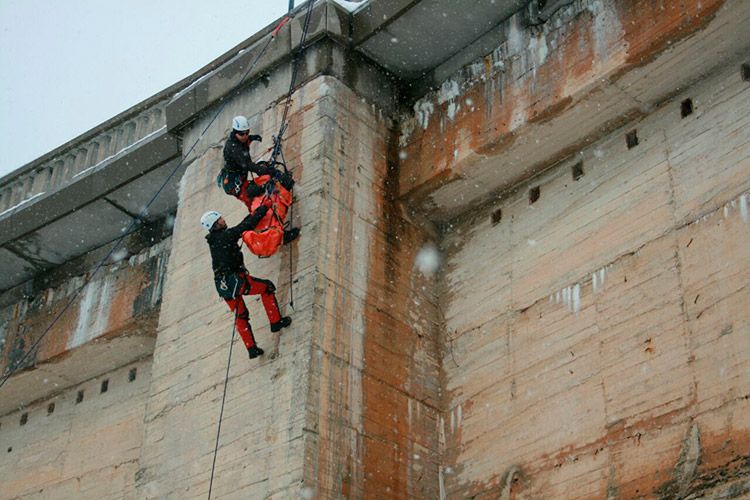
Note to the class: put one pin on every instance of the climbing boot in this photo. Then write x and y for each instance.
(254, 351)
(282, 323)
(291, 235)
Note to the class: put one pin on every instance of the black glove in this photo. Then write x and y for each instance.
(254, 190)
(287, 181)
(256, 137)
(260, 211)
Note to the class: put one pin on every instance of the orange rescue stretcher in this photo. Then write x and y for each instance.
(268, 235)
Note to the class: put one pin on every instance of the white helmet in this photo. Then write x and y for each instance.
(240, 124)
(209, 219)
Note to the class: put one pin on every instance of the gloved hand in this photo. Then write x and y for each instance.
(256, 137)
(260, 211)
(254, 190)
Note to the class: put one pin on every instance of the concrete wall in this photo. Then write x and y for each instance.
(101, 321)
(592, 343)
(597, 339)
(64, 447)
(344, 400)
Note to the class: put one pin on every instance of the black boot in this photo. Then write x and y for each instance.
(291, 235)
(254, 351)
(282, 323)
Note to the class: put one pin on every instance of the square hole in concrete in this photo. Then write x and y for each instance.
(24, 418)
(132, 374)
(105, 386)
(50, 408)
(746, 72)
(534, 194)
(631, 139)
(79, 397)
(577, 170)
(497, 216)
(686, 108)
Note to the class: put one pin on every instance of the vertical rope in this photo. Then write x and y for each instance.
(223, 400)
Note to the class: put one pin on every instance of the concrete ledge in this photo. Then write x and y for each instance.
(100, 180)
(329, 21)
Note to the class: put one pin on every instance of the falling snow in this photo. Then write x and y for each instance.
(427, 260)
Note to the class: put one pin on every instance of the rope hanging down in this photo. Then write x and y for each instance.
(276, 151)
(223, 399)
(278, 138)
(142, 214)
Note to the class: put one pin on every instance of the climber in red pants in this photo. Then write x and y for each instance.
(232, 279)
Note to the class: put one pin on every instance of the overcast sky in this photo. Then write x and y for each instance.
(69, 65)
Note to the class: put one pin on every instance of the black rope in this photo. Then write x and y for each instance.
(295, 70)
(223, 399)
(291, 247)
(141, 215)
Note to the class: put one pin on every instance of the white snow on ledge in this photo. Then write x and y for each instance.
(350, 6)
(27, 200)
(120, 152)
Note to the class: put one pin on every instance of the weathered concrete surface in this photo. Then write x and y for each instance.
(546, 92)
(70, 449)
(591, 344)
(344, 402)
(597, 340)
(111, 322)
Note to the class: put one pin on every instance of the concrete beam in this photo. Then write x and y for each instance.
(547, 91)
(102, 179)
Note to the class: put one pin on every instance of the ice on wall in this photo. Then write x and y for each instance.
(93, 312)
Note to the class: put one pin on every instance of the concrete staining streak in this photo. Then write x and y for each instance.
(93, 312)
(606, 27)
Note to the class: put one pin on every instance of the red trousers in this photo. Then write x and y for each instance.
(254, 286)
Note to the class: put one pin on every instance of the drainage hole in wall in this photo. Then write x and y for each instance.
(746, 72)
(686, 108)
(534, 194)
(132, 374)
(50, 408)
(577, 170)
(497, 216)
(631, 139)
(79, 397)
(10, 448)
(105, 386)
(24, 418)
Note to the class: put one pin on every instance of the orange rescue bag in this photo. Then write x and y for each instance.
(268, 235)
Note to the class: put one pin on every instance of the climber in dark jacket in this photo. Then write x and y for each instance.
(237, 150)
(232, 279)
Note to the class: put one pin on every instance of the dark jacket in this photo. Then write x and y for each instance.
(226, 255)
(237, 158)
